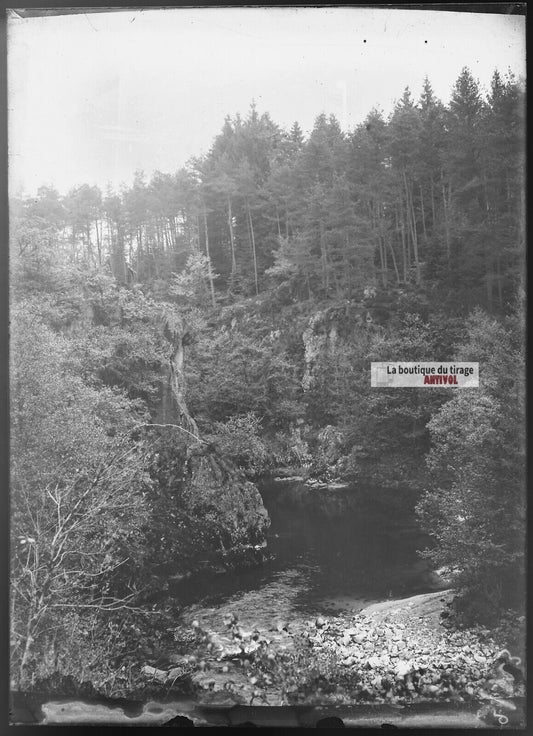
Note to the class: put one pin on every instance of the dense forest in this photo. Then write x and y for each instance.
(176, 340)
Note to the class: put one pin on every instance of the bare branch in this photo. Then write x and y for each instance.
(99, 606)
(176, 426)
(90, 574)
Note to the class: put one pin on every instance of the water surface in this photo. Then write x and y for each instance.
(330, 550)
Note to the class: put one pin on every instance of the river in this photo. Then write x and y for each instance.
(330, 551)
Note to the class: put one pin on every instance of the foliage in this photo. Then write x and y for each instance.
(433, 195)
(190, 286)
(376, 424)
(78, 484)
(290, 449)
(281, 266)
(239, 439)
(200, 508)
(475, 506)
(234, 372)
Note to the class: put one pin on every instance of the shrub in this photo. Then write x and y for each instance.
(239, 439)
(78, 487)
(475, 506)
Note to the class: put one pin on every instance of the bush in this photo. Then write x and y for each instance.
(475, 507)
(78, 488)
(239, 440)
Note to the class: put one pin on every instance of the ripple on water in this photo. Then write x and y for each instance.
(262, 608)
(331, 553)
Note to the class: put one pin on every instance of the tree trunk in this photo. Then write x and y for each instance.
(400, 226)
(174, 232)
(140, 255)
(348, 266)
(394, 263)
(323, 252)
(110, 238)
(415, 244)
(98, 243)
(232, 240)
(446, 222)
(130, 256)
(499, 282)
(209, 271)
(383, 244)
(432, 186)
(154, 262)
(118, 259)
(90, 253)
(252, 239)
(412, 225)
(423, 212)
(175, 334)
(382, 261)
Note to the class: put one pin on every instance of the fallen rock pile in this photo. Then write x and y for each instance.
(394, 652)
(401, 652)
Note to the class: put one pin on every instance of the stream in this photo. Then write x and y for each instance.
(330, 551)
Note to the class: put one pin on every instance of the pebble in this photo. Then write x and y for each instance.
(397, 661)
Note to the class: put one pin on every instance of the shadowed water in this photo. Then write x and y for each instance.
(330, 550)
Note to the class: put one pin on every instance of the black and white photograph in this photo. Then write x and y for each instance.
(267, 339)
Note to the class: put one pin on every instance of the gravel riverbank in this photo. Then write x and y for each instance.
(399, 652)
(398, 661)
(403, 652)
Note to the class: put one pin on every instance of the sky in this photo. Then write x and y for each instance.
(94, 97)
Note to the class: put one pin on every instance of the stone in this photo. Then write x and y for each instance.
(156, 674)
(174, 673)
(403, 668)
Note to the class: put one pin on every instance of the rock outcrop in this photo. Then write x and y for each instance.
(211, 480)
